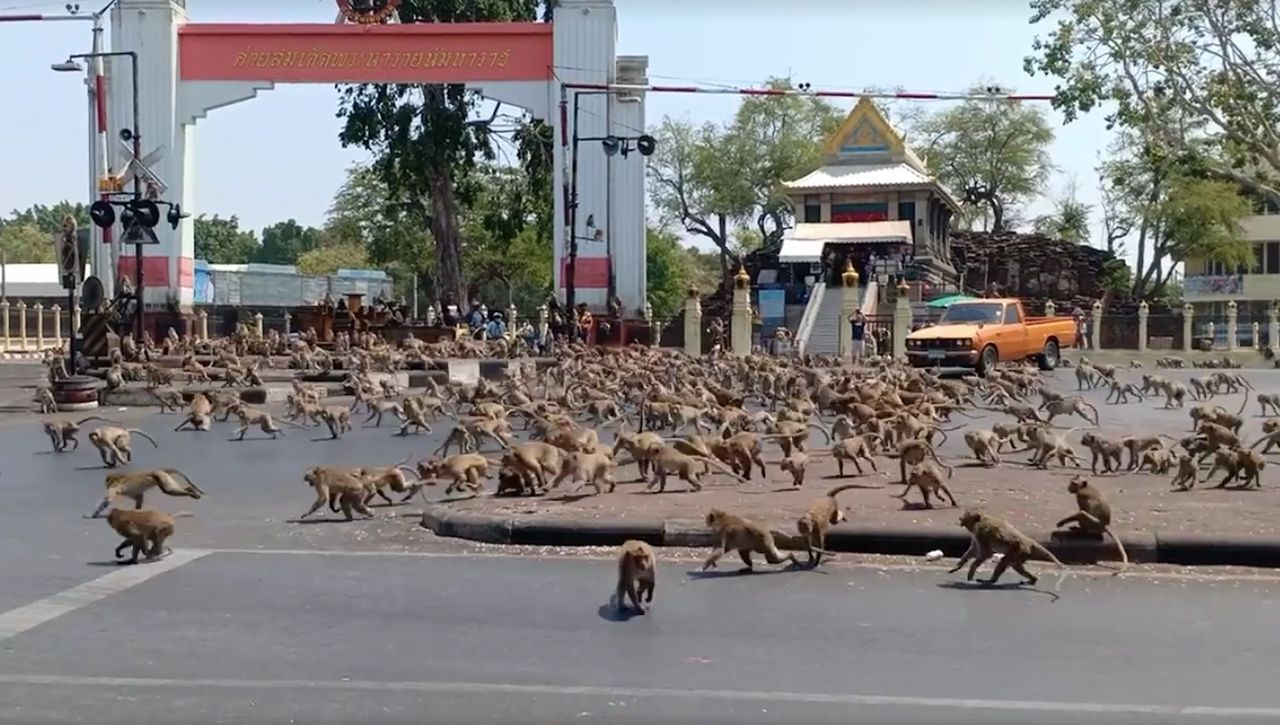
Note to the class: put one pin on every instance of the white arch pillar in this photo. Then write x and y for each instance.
(610, 190)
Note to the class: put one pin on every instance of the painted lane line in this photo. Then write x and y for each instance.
(30, 616)
(487, 688)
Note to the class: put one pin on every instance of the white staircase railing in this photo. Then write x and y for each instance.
(810, 315)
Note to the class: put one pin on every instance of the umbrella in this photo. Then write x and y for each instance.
(945, 302)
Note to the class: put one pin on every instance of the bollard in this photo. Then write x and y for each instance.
(848, 305)
(512, 314)
(1233, 313)
(257, 325)
(39, 310)
(57, 325)
(1273, 327)
(656, 333)
(901, 322)
(204, 325)
(4, 322)
(75, 320)
(1096, 332)
(1144, 310)
(693, 323)
(288, 323)
(22, 324)
(1188, 326)
(740, 322)
(1257, 336)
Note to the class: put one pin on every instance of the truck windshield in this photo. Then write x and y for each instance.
(987, 313)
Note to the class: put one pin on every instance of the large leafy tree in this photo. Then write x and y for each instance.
(48, 219)
(26, 243)
(714, 178)
(993, 153)
(221, 240)
(425, 142)
(1069, 219)
(1200, 78)
(330, 258)
(284, 242)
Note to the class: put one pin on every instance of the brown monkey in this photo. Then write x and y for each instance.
(414, 417)
(458, 436)
(913, 451)
(379, 408)
(1108, 450)
(511, 482)
(734, 532)
(44, 396)
(851, 449)
(595, 468)
(1234, 461)
(134, 485)
(985, 445)
(1094, 517)
(260, 418)
(337, 418)
(201, 415)
(382, 477)
(823, 513)
(927, 476)
(115, 445)
(1055, 445)
(1073, 405)
(465, 470)
(1137, 446)
(144, 530)
(1185, 478)
(169, 400)
(795, 464)
(988, 536)
(535, 460)
(637, 572)
(1158, 460)
(1121, 392)
(342, 483)
(1268, 400)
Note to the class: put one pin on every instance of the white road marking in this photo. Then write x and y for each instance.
(490, 688)
(30, 616)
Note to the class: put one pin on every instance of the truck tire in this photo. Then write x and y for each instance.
(987, 360)
(1049, 358)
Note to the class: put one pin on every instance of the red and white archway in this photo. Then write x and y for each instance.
(189, 69)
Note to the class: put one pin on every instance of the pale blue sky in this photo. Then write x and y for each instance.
(277, 156)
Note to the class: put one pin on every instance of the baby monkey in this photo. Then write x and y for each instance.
(637, 572)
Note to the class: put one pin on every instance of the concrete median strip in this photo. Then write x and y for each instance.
(1148, 548)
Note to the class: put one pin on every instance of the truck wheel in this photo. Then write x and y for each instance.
(987, 360)
(1049, 358)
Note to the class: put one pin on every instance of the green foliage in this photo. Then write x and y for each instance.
(425, 147)
(993, 154)
(713, 179)
(507, 249)
(327, 260)
(25, 243)
(1116, 276)
(666, 266)
(222, 241)
(1199, 79)
(48, 219)
(1069, 220)
(1202, 219)
(364, 211)
(285, 242)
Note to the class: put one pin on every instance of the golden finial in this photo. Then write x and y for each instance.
(850, 276)
(742, 280)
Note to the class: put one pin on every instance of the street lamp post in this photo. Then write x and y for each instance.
(71, 66)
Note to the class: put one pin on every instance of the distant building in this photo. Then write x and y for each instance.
(1208, 286)
(872, 202)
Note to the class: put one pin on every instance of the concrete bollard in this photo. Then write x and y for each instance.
(693, 324)
(4, 322)
(901, 322)
(1188, 326)
(740, 322)
(203, 324)
(1096, 331)
(1144, 311)
(22, 325)
(57, 325)
(288, 324)
(257, 325)
(1257, 336)
(75, 320)
(1273, 327)
(656, 335)
(39, 310)
(1050, 309)
(1232, 324)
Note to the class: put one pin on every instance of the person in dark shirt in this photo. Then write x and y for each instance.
(858, 325)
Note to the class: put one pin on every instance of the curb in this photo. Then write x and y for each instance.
(1180, 549)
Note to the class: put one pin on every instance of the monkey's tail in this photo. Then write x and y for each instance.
(1243, 403)
(82, 421)
(838, 489)
(1062, 567)
(1124, 556)
(144, 435)
(821, 430)
(183, 476)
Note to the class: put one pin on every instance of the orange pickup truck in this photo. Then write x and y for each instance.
(979, 333)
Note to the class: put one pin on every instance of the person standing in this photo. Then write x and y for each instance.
(858, 323)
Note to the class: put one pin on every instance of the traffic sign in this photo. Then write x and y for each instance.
(142, 167)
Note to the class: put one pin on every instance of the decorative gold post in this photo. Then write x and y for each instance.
(740, 332)
(849, 303)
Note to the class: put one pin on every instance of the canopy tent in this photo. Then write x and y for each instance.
(945, 302)
(806, 242)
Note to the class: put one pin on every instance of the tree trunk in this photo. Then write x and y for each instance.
(444, 230)
(725, 282)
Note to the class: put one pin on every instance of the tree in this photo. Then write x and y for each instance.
(48, 219)
(327, 260)
(1198, 77)
(284, 242)
(1069, 220)
(222, 241)
(667, 269)
(993, 153)
(504, 242)
(424, 142)
(25, 243)
(712, 179)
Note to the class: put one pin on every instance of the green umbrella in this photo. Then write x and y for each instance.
(944, 302)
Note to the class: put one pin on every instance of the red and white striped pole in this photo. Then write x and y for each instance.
(747, 91)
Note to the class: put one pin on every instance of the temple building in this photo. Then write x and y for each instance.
(872, 202)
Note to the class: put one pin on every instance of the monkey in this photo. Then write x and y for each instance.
(595, 468)
(1235, 460)
(414, 417)
(1022, 412)
(637, 573)
(1093, 518)
(1217, 435)
(927, 476)
(1203, 387)
(985, 445)
(913, 451)
(642, 447)
(989, 535)
(114, 444)
(1121, 392)
(1268, 400)
(1137, 445)
(168, 400)
(144, 530)
(512, 482)
(135, 485)
(1174, 391)
(1054, 445)
(250, 417)
(734, 532)
(158, 377)
(341, 483)
(851, 449)
(378, 408)
(795, 464)
(337, 418)
(689, 468)
(62, 432)
(44, 396)
(1005, 433)
(1185, 478)
(201, 416)
(535, 460)
(741, 451)
(1068, 406)
(458, 436)
(1085, 377)
(1107, 450)
(378, 478)
(1158, 460)
(823, 513)
(464, 471)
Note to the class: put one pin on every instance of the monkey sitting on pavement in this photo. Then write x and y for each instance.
(989, 536)
(637, 574)
(734, 532)
(1094, 517)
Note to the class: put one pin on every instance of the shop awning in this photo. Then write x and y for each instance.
(805, 243)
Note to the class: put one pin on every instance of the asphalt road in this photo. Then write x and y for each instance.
(389, 631)
(274, 637)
